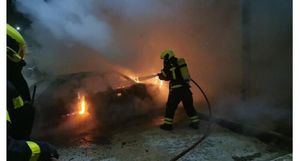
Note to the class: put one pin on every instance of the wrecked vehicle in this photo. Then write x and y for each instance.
(110, 97)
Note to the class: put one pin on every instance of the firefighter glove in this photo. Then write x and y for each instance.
(161, 76)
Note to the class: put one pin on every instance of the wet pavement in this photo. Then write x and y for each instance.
(146, 142)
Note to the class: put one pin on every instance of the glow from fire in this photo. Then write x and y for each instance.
(155, 81)
(136, 79)
(82, 104)
(159, 82)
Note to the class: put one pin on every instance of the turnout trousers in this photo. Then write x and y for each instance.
(177, 95)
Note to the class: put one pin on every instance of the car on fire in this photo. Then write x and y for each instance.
(109, 96)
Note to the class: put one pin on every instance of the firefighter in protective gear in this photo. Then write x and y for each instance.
(16, 47)
(15, 62)
(20, 111)
(176, 71)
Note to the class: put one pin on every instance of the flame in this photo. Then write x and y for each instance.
(136, 79)
(159, 82)
(82, 104)
(155, 81)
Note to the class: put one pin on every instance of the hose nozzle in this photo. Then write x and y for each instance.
(143, 78)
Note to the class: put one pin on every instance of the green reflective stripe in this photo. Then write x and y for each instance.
(163, 73)
(18, 102)
(196, 120)
(173, 72)
(35, 150)
(194, 117)
(8, 117)
(168, 122)
(12, 44)
(176, 86)
(174, 75)
(13, 55)
(168, 119)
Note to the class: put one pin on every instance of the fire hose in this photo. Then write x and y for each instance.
(207, 132)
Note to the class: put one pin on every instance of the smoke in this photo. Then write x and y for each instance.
(70, 36)
(116, 31)
(69, 21)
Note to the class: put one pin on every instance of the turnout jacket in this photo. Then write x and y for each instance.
(19, 145)
(176, 71)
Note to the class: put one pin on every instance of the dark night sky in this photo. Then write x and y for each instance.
(14, 17)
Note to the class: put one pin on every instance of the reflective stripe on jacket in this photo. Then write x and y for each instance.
(176, 71)
(20, 150)
(21, 114)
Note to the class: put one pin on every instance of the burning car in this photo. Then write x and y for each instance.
(109, 97)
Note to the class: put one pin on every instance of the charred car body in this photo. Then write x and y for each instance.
(110, 97)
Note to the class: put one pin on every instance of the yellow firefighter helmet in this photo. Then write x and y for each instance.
(167, 54)
(16, 44)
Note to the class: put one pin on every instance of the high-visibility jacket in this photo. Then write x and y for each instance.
(176, 71)
(18, 149)
(19, 146)
(15, 51)
(21, 114)
(21, 150)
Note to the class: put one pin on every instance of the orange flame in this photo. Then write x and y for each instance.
(136, 79)
(82, 104)
(159, 82)
(155, 81)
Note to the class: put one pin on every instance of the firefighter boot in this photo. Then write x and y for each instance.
(167, 127)
(194, 122)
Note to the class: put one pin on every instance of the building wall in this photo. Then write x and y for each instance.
(267, 56)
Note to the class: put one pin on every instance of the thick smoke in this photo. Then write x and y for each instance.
(71, 36)
(69, 21)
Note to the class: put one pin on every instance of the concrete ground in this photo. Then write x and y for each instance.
(149, 143)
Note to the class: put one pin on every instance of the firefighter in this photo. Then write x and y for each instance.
(15, 63)
(20, 111)
(176, 71)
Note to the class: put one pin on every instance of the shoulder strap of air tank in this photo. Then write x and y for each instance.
(181, 62)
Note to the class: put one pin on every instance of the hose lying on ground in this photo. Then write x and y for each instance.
(207, 132)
